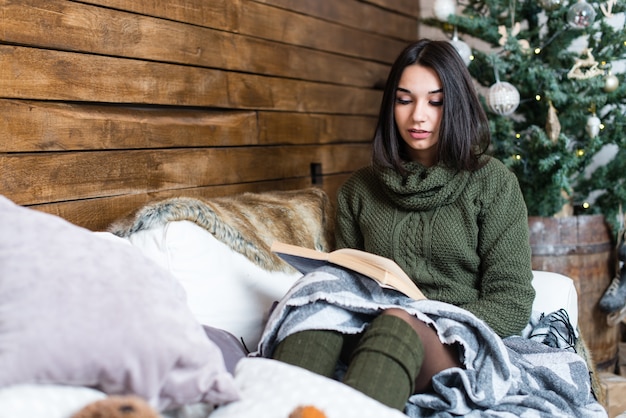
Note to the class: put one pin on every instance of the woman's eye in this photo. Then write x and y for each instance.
(436, 102)
(402, 101)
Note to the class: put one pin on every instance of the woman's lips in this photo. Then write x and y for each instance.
(419, 133)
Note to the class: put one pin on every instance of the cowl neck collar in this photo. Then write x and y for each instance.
(423, 188)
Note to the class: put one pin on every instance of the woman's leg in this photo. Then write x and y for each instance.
(386, 361)
(314, 350)
(397, 356)
(437, 356)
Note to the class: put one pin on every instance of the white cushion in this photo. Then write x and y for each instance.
(79, 310)
(224, 288)
(272, 389)
(555, 291)
(45, 401)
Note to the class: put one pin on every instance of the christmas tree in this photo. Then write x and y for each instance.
(553, 88)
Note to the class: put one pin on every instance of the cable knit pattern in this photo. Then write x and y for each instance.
(461, 236)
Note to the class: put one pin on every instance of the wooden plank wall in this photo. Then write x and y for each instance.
(108, 104)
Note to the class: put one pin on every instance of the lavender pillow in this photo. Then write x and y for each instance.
(80, 310)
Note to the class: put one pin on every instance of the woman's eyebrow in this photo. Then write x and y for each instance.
(403, 90)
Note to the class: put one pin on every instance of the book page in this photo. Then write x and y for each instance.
(384, 270)
(374, 259)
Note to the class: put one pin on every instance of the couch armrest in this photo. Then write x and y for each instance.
(555, 291)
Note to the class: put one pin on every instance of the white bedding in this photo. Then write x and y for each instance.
(269, 389)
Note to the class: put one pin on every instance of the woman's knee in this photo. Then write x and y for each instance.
(437, 355)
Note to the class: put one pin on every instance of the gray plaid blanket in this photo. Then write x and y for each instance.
(511, 377)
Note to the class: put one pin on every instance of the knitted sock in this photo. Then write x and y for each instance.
(314, 350)
(386, 362)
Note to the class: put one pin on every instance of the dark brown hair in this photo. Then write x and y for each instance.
(464, 131)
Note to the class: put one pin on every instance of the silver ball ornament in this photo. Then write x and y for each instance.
(581, 15)
(444, 8)
(464, 50)
(611, 83)
(503, 98)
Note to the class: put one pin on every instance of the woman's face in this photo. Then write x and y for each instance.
(418, 111)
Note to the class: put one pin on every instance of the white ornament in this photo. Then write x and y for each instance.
(593, 126)
(463, 49)
(504, 36)
(585, 68)
(611, 83)
(581, 15)
(503, 98)
(444, 8)
(607, 10)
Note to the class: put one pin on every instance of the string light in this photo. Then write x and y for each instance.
(518, 135)
(586, 205)
(537, 51)
(538, 97)
(580, 152)
(517, 157)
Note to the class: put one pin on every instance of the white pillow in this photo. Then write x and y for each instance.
(224, 288)
(45, 401)
(80, 310)
(272, 389)
(555, 291)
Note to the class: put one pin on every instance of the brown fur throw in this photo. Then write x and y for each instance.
(248, 223)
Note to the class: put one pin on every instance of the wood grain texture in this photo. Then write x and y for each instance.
(35, 126)
(44, 177)
(32, 126)
(407, 7)
(107, 104)
(262, 21)
(34, 73)
(284, 26)
(217, 14)
(355, 14)
(69, 26)
(299, 128)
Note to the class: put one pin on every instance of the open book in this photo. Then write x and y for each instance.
(384, 270)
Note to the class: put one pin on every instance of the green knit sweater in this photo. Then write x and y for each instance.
(461, 236)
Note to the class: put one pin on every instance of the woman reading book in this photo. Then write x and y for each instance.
(452, 217)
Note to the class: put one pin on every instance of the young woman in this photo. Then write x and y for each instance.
(453, 218)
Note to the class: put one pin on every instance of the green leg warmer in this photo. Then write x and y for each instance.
(386, 361)
(314, 350)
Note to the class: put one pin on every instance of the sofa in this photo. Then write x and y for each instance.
(163, 282)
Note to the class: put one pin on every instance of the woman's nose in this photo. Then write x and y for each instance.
(419, 114)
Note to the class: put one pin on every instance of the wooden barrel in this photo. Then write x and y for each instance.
(581, 248)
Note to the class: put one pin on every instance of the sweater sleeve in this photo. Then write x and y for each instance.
(506, 291)
(347, 231)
